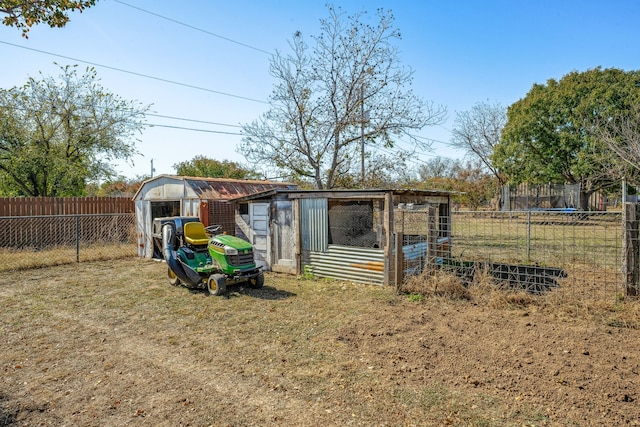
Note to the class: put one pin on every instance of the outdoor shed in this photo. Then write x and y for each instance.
(345, 234)
(206, 198)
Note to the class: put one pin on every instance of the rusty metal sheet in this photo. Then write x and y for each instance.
(227, 189)
(364, 265)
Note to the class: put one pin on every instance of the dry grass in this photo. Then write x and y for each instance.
(28, 258)
(592, 243)
(571, 299)
(112, 343)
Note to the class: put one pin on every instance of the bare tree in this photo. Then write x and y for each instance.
(332, 100)
(438, 168)
(479, 130)
(621, 135)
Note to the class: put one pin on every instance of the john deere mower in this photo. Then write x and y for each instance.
(199, 257)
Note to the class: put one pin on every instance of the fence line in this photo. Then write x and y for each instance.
(32, 206)
(40, 241)
(582, 252)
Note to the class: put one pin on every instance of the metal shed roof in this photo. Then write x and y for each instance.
(340, 193)
(227, 189)
(219, 188)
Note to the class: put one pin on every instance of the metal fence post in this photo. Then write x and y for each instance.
(529, 235)
(432, 241)
(399, 261)
(630, 248)
(77, 238)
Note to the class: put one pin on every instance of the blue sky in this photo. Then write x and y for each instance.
(462, 53)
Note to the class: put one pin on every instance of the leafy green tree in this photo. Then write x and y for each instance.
(473, 184)
(551, 134)
(58, 135)
(211, 168)
(475, 187)
(120, 186)
(23, 14)
(332, 100)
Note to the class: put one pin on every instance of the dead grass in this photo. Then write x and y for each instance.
(112, 343)
(28, 258)
(571, 299)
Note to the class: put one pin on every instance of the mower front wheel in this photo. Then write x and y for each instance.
(257, 282)
(173, 279)
(216, 285)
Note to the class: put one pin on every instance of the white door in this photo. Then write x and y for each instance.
(259, 223)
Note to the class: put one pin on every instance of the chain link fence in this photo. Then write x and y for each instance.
(561, 254)
(41, 241)
(575, 254)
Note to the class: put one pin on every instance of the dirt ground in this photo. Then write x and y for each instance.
(112, 343)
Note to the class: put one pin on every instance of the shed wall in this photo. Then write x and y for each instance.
(364, 265)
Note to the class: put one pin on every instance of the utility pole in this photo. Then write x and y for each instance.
(363, 117)
(152, 168)
(362, 135)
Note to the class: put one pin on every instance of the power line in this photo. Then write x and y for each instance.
(178, 127)
(192, 120)
(433, 140)
(147, 76)
(193, 129)
(194, 28)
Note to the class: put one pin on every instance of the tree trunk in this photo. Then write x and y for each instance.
(584, 199)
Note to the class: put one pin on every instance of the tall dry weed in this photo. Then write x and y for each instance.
(569, 300)
(438, 284)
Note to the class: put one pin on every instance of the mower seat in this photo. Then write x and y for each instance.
(195, 234)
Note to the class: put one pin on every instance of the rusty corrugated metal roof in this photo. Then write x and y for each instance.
(227, 189)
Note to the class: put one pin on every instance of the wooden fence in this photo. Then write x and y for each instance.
(38, 206)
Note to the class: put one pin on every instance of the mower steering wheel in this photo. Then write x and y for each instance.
(214, 229)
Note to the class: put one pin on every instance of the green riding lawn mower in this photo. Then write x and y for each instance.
(199, 257)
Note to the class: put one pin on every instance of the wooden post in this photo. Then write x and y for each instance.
(630, 246)
(297, 238)
(388, 225)
(399, 262)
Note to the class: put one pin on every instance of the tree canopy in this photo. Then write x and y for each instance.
(24, 14)
(57, 135)
(211, 168)
(551, 134)
(472, 184)
(331, 100)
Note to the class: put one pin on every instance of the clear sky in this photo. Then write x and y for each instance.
(207, 61)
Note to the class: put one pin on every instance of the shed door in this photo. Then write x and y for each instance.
(283, 238)
(259, 220)
(143, 226)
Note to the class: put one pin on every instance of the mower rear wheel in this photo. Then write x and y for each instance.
(257, 282)
(216, 285)
(173, 279)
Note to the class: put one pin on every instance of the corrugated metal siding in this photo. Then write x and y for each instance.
(364, 265)
(314, 224)
(191, 207)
